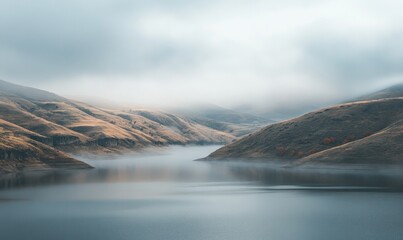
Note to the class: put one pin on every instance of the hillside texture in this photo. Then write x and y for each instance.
(364, 132)
(35, 126)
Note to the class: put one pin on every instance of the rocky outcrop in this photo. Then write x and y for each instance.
(114, 142)
(65, 140)
(13, 154)
(20, 152)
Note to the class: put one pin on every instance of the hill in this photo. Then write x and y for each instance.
(222, 119)
(221, 114)
(390, 92)
(17, 91)
(34, 122)
(363, 132)
(21, 148)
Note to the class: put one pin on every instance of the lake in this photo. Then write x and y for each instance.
(167, 195)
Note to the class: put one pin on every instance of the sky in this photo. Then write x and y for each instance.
(263, 54)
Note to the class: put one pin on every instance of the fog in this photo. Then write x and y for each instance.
(241, 54)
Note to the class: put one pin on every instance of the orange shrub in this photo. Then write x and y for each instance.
(300, 154)
(329, 140)
(281, 150)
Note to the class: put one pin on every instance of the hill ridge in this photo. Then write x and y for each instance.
(71, 126)
(315, 134)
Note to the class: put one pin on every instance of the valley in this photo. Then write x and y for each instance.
(36, 125)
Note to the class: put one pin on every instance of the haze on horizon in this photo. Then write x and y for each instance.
(267, 54)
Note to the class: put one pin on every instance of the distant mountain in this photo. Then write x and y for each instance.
(362, 132)
(17, 91)
(223, 119)
(217, 113)
(390, 92)
(40, 124)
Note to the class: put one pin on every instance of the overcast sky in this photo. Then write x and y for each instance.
(228, 52)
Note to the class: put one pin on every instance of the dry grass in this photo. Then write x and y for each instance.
(366, 131)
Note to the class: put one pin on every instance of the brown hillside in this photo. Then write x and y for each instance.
(35, 125)
(352, 124)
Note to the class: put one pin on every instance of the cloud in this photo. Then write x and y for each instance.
(272, 53)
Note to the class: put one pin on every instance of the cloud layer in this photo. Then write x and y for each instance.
(229, 52)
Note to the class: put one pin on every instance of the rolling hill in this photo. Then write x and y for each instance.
(42, 124)
(21, 148)
(222, 119)
(390, 92)
(360, 132)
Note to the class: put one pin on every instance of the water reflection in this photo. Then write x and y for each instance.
(173, 167)
(268, 175)
(169, 196)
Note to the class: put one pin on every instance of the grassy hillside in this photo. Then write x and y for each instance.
(222, 119)
(383, 147)
(69, 123)
(345, 133)
(34, 122)
(21, 148)
(390, 92)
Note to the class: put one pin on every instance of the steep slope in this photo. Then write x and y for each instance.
(20, 112)
(334, 129)
(20, 152)
(21, 149)
(11, 128)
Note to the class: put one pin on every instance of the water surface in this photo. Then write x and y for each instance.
(170, 196)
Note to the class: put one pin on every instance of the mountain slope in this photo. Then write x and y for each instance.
(13, 90)
(223, 119)
(390, 92)
(35, 125)
(66, 122)
(19, 152)
(326, 133)
(220, 114)
(383, 147)
(21, 148)
(181, 130)
(21, 113)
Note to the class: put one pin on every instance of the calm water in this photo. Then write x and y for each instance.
(169, 196)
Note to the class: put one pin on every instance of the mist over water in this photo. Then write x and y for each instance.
(170, 196)
(112, 75)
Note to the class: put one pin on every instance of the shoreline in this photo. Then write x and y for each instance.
(388, 169)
